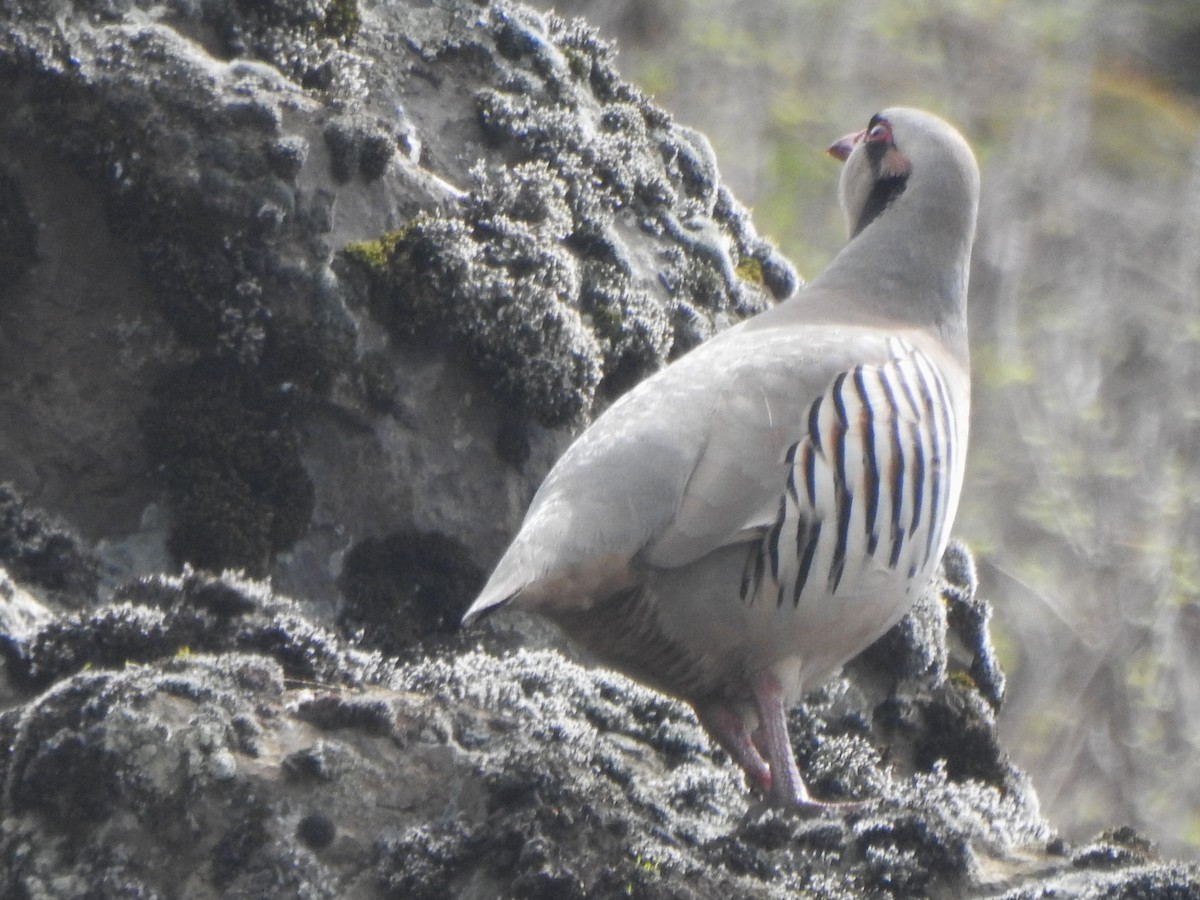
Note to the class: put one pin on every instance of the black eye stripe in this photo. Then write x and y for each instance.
(883, 192)
(875, 152)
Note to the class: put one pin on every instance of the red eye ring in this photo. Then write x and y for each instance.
(880, 131)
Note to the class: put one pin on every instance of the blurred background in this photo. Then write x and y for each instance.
(1083, 496)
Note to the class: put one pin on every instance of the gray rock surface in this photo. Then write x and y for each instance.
(285, 278)
(315, 291)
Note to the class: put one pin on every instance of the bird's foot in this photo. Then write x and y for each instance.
(730, 731)
(807, 807)
(787, 789)
(811, 808)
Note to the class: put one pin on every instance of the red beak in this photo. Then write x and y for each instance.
(840, 149)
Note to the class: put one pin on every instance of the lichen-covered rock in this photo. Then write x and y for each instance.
(162, 618)
(585, 255)
(240, 494)
(405, 588)
(287, 253)
(20, 615)
(202, 737)
(40, 552)
(326, 270)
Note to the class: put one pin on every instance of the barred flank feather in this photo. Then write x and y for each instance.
(871, 479)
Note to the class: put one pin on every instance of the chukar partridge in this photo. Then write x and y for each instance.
(745, 521)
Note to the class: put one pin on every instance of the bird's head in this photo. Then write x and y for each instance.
(904, 150)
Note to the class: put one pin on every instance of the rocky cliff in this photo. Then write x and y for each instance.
(314, 292)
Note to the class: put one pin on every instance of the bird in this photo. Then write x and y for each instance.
(746, 520)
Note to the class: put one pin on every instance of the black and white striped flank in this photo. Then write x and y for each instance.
(869, 484)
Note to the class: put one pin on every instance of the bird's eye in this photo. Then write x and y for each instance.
(880, 131)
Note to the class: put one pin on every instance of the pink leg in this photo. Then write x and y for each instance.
(730, 730)
(787, 787)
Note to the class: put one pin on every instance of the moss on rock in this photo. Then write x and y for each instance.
(558, 269)
(499, 278)
(404, 587)
(231, 460)
(213, 728)
(307, 40)
(38, 551)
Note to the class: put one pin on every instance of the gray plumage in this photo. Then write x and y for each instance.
(742, 523)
